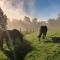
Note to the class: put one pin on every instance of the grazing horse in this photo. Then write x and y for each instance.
(10, 35)
(43, 32)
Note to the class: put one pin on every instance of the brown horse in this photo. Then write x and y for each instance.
(43, 32)
(10, 35)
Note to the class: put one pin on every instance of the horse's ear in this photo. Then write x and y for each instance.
(14, 29)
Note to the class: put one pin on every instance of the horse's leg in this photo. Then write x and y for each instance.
(44, 35)
(21, 39)
(1, 44)
(14, 42)
(8, 44)
(40, 35)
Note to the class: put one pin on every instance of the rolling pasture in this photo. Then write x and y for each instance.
(45, 49)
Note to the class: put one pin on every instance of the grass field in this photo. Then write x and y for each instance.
(45, 49)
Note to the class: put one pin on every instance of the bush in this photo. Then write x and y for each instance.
(2, 56)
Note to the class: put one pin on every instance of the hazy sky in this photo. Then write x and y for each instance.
(34, 8)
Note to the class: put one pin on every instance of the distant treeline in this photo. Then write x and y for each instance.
(33, 26)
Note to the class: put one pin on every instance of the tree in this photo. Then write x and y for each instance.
(34, 20)
(3, 20)
(58, 17)
(51, 21)
(27, 19)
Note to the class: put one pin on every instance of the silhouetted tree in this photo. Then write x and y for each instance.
(27, 19)
(54, 23)
(3, 19)
(51, 22)
(58, 17)
(34, 20)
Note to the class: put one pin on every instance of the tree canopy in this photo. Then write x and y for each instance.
(3, 20)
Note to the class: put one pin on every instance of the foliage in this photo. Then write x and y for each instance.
(3, 19)
(27, 19)
(2, 56)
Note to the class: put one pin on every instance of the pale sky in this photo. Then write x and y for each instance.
(44, 9)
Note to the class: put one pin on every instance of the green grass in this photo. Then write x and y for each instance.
(42, 50)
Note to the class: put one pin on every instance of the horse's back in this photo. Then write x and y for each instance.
(43, 29)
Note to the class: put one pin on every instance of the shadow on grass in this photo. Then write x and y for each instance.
(20, 51)
(54, 40)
